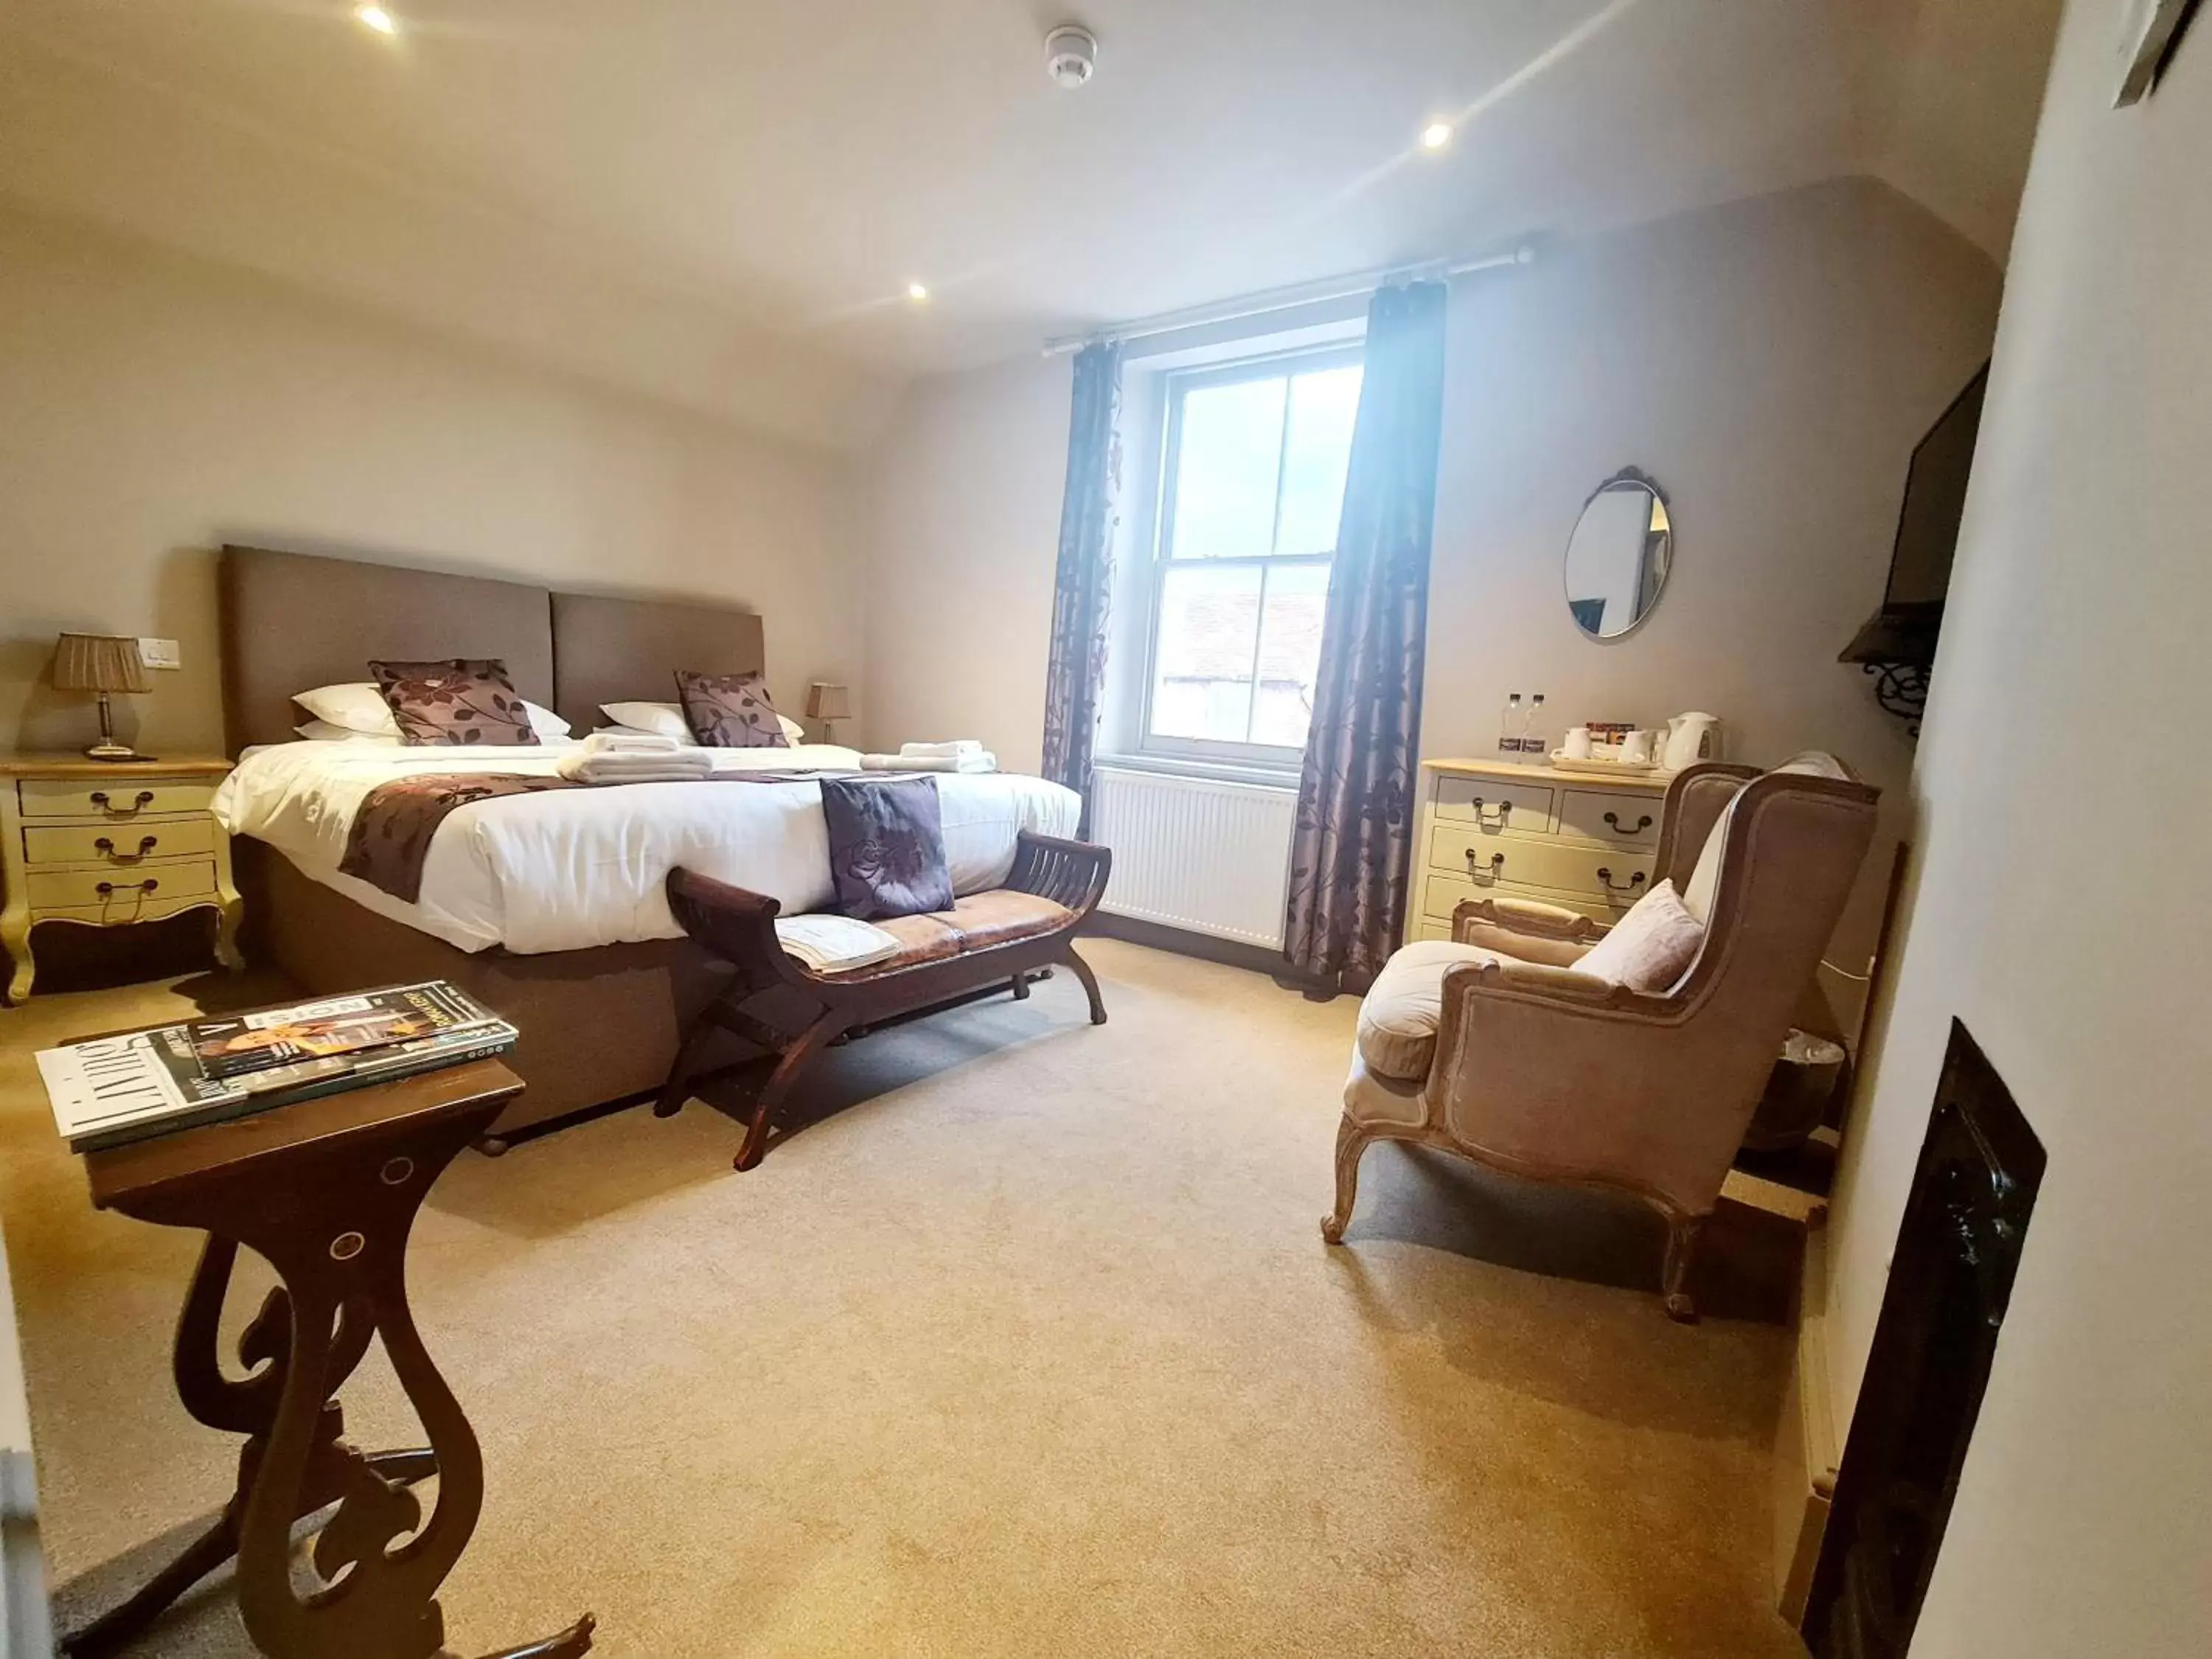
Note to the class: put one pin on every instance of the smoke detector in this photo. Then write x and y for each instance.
(1070, 55)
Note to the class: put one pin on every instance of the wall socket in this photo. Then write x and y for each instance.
(160, 653)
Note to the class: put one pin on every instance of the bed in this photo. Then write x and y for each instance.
(549, 908)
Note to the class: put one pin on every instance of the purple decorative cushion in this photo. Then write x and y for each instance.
(886, 847)
(455, 700)
(730, 711)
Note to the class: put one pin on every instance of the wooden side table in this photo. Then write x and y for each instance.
(102, 843)
(326, 1190)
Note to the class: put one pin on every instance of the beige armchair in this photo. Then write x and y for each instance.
(1544, 1072)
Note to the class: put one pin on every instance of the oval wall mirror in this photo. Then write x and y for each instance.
(1617, 557)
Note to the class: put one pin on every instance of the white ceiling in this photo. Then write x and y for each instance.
(722, 200)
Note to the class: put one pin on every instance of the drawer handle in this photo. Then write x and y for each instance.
(1493, 870)
(1505, 812)
(1641, 824)
(1605, 879)
(108, 888)
(146, 844)
(145, 799)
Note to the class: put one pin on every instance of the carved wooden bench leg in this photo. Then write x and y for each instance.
(795, 1059)
(1082, 971)
(677, 1089)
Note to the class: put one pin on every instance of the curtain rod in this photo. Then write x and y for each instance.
(1283, 298)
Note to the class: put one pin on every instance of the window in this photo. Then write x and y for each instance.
(1250, 491)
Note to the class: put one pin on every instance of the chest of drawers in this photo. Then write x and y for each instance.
(103, 844)
(1492, 826)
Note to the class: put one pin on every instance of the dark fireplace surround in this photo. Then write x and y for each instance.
(1958, 1250)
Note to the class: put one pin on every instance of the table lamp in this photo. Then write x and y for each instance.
(105, 664)
(829, 704)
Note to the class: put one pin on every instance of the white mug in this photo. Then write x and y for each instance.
(1578, 743)
(1636, 748)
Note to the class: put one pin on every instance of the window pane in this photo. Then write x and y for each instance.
(1202, 665)
(1289, 653)
(1323, 405)
(1226, 463)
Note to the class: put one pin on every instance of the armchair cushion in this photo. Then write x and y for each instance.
(1649, 948)
(1399, 1017)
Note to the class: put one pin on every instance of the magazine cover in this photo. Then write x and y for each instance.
(244, 1043)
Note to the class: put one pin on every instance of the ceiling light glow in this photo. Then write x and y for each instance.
(1436, 135)
(917, 292)
(375, 17)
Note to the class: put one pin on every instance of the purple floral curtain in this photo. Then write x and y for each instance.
(1353, 847)
(1075, 675)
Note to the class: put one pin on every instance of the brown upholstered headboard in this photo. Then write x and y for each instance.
(294, 621)
(611, 650)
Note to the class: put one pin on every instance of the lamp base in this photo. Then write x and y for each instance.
(116, 753)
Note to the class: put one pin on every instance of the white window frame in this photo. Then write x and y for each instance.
(1266, 755)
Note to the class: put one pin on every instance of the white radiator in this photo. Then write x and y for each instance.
(1198, 853)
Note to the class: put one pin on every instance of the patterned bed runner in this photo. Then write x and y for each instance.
(391, 835)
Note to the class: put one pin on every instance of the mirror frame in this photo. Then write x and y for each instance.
(1643, 480)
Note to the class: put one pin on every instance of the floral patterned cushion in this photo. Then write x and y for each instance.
(455, 700)
(730, 711)
(886, 847)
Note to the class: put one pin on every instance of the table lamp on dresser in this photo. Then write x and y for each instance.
(829, 704)
(105, 664)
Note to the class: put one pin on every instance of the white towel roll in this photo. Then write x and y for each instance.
(958, 746)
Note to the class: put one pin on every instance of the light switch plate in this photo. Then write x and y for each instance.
(160, 653)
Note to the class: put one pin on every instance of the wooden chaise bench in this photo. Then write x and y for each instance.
(1005, 935)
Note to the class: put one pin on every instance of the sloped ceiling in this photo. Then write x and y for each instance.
(722, 202)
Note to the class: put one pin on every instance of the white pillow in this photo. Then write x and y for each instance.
(324, 732)
(666, 719)
(359, 708)
(1650, 947)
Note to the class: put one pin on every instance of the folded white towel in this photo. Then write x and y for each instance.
(985, 761)
(675, 766)
(958, 746)
(631, 742)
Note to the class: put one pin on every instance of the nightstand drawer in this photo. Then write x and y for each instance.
(122, 848)
(116, 802)
(51, 889)
(1625, 820)
(1494, 805)
(1596, 871)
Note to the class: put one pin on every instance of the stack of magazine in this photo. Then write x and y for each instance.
(141, 1083)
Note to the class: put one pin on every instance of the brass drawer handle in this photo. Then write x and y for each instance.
(1495, 869)
(106, 848)
(106, 889)
(1605, 879)
(144, 800)
(1643, 823)
(1505, 812)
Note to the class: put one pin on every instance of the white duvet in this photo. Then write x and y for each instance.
(573, 868)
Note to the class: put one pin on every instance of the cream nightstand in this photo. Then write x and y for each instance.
(101, 844)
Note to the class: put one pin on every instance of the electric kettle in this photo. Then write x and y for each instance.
(1691, 738)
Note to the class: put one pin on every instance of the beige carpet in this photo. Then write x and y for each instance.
(1028, 1345)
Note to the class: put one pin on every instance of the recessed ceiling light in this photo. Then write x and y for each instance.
(917, 292)
(1436, 135)
(375, 17)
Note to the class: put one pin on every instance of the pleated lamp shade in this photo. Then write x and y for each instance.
(99, 662)
(827, 702)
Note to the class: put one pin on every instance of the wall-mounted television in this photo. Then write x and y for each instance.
(1904, 630)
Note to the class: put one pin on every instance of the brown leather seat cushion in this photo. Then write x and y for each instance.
(996, 916)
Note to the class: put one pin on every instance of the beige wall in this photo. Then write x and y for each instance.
(157, 406)
(2058, 909)
(1771, 362)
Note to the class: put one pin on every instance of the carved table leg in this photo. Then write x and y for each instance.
(334, 1225)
